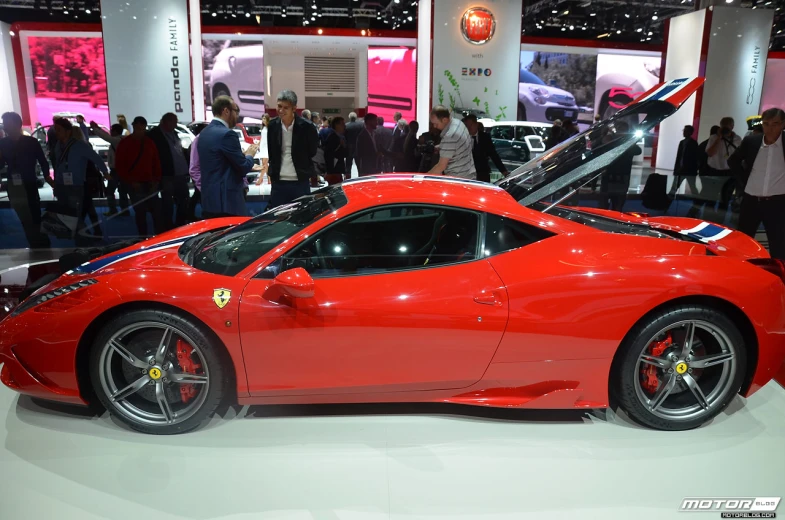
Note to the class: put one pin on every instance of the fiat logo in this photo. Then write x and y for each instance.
(478, 25)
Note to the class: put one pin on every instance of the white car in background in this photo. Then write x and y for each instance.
(538, 101)
(186, 136)
(239, 72)
(621, 79)
(517, 142)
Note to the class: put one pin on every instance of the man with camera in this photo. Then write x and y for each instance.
(721, 146)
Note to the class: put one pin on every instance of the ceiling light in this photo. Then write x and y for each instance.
(654, 17)
(626, 15)
(247, 15)
(12, 33)
(572, 27)
(410, 18)
(618, 31)
(651, 33)
(566, 12)
(87, 11)
(554, 11)
(65, 12)
(592, 14)
(320, 31)
(640, 29)
(214, 15)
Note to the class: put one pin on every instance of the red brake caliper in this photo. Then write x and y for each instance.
(187, 364)
(649, 373)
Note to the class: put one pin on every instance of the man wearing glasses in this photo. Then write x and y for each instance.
(223, 164)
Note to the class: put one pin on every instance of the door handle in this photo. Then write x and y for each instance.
(487, 297)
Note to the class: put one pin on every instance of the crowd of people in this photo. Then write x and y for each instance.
(148, 170)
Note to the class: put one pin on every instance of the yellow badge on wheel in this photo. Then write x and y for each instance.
(221, 297)
(155, 373)
(681, 368)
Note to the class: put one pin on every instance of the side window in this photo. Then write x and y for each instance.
(389, 239)
(505, 234)
(502, 132)
(521, 132)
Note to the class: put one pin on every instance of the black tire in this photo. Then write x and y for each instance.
(521, 112)
(220, 90)
(213, 359)
(626, 386)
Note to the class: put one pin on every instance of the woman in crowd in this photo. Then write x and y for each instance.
(410, 161)
(93, 187)
(124, 123)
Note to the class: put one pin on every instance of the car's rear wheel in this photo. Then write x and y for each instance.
(158, 372)
(679, 368)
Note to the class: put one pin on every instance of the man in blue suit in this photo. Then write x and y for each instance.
(223, 164)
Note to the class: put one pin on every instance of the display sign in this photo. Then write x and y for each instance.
(147, 58)
(234, 67)
(736, 64)
(773, 96)
(478, 25)
(392, 73)
(556, 86)
(66, 78)
(473, 70)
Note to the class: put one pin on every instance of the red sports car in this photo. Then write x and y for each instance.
(418, 288)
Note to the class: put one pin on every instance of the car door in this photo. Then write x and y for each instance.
(402, 301)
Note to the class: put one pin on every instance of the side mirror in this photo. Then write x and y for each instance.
(296, 283)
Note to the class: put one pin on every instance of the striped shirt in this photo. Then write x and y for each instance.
(456, 145)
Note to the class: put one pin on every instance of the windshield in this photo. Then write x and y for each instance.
(528, 77)
(230, 251)
(558, 174)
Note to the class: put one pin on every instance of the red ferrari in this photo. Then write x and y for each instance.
(417, 288)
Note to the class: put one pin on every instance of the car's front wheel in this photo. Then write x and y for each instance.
(679, 368)
(158, 372)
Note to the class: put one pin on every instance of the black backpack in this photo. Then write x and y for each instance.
(655, 193)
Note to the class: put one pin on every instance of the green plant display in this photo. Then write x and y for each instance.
(454, 98)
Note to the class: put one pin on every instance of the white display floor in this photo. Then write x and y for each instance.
(384, 462)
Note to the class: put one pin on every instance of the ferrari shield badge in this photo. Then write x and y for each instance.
(221, 297)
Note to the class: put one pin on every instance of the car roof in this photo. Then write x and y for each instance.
(429, 189)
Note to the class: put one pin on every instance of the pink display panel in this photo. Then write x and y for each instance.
(392, 82)
(69, 77)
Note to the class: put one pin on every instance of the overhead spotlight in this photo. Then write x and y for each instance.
(12, 33)
(626, 15)
(214, 14)
(320, 31)
(618, 31)
(566, 12)
(87, 11)
(728, 1)
(65, 13)
(247, 15)
(555, 11)
(640, 29)
(654, 17)
(572, 27)
(410, 18)
(651, 33)
(592, 14)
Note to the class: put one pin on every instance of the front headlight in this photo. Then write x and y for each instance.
(538, 91)
(37, 299)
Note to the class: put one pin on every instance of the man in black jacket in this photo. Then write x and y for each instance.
(353, 129)
(291, 143)
(482, 150)
(758, 165)
(687, 162)
(174, 172)
(367, 153)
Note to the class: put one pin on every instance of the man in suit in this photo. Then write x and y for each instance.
(687, 162)
(367, 152)
(222, 163)
(759, 167)
(384, 139)
(292, 142)
(174, 171)
(353, 129)
(482, 150)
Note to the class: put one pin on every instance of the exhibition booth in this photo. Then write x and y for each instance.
(587, 336)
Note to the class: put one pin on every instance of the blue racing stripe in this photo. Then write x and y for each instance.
(95, 265)
(670, 87)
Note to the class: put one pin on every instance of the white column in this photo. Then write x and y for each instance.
(197, 66)
(423, 64)
(9, 90)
